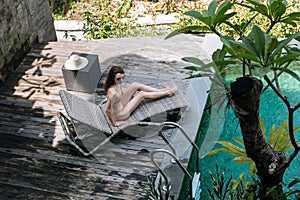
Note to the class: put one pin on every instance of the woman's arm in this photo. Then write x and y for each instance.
(108, 110)
(113, 99)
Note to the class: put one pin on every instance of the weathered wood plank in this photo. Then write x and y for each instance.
(32, 167)
(8, 100)
(119, 146)
(25, 147)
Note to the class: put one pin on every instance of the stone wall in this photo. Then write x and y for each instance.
(22, 24)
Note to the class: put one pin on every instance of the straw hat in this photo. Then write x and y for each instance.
(76, 62)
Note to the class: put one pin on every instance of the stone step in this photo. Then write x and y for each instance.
(68, 29)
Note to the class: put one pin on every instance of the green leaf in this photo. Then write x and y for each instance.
(200, 69)
(193, 68)
(251, 48)
(290, 22)
(222, 18)
(231, 46)
(288, 71)
(218, 55)
(296, 129)
(195, 14)
(224, 7)
(252, 169)
(221, 15)
(286, 58)
(284, 43)
(270, 44)
(199, 75)
(172, 34)
(254, 2)
(257, 36)
(207, 21)
(212, 7)
(295, 181)
(194, 60)
(295, 16)
(249, 57)
(262, 126)
(242, 159)
(233, 149)
(257, 7)
(239, 141)
(186, 29)
(254, 6)
(217, 151)
(277, 9)
(279, 137)
(236, 183)
(226, 62)
(262, 9)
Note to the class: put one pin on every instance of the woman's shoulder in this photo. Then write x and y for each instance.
(113, 91)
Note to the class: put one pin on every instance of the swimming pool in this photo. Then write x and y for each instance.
(215, 127)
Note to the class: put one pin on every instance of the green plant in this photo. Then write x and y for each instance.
(251, 190)
(60, 7)
(221, 188)
(151, 192)
(109, 22)
(252, 50)
(67, 35)
(236, 21)
(278, 139)
(102, 21)
(64, 9)
(241, 189)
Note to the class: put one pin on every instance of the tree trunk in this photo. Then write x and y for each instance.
(270, 164)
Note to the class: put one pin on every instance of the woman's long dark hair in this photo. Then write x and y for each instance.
(110, 79)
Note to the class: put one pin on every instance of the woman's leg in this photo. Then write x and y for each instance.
(134, 87)
(131, 105)
(139, 97)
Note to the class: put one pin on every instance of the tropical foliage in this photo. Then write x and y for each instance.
(278, 139)
(153, 192)
(226, 188)
(104, 20)
(258, 51)
(250, 190)
(253, 52)
(221, 187)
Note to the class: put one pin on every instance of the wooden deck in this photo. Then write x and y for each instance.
(35, 160)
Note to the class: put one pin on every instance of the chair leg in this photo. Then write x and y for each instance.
(70, 133)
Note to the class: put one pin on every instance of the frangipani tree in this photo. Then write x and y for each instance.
(254, 50)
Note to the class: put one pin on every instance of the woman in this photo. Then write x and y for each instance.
(120, 104)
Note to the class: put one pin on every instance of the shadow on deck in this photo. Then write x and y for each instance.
(35, 160)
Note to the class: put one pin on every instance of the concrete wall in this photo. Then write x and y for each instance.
(22, 24)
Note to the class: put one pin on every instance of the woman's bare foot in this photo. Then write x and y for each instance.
(172, 90)
(119, 123)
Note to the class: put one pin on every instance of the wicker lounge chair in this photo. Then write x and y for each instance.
(81, 111)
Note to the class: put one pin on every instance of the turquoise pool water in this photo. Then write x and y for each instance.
(272, 110)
